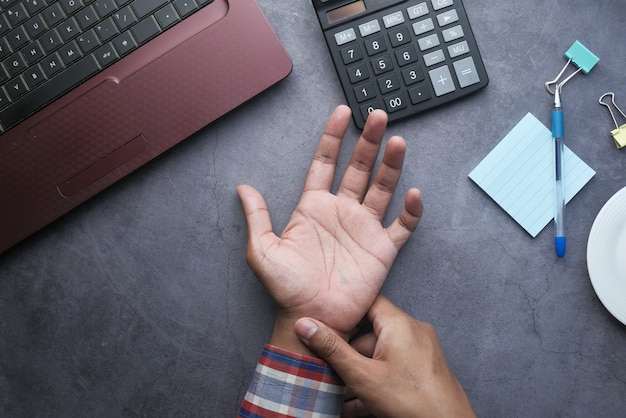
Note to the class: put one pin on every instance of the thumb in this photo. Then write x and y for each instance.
(255, 211)
(344, 359)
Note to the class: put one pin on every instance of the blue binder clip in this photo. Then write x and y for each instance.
(581, 57)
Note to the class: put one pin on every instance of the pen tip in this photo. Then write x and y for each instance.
(559, 245)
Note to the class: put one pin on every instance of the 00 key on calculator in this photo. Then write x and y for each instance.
(402, 56)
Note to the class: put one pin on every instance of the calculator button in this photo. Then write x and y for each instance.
(345, 36)
(466, 72)
(440, 4)
(442, 80)
(364, 92)
(389, 83)
(382, 64)
(419, 94)
(453, 33)
(358, 73)
(418, 10)
(393, 19)
(459, 49)
(395, 102)
(399, 36)
(447, 18)
(369, 28)
(423, 26)
(428, 42)
(368, 108)
(412, 75)
(434, 58)
(406, 55)
(351, 54)
(375, 45)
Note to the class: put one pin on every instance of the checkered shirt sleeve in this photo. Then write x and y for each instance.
(287, 384)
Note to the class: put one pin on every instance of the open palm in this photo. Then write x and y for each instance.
(334, 255)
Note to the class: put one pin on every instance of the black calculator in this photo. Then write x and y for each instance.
(402, 56)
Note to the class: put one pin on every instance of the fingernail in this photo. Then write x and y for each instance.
(305, 328)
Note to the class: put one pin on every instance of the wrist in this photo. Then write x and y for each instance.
(285, 337)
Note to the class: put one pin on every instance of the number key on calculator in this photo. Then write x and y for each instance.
(402, 56)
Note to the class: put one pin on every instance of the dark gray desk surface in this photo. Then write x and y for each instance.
(140, 302)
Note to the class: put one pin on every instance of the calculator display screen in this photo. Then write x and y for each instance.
(345, 12)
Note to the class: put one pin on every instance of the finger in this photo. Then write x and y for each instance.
(365, 344)
(383, 312)
(258, 221)
(348, 395)
(344, 359)
(354, 408)
(404, 225)
(357, 176)
(384, 185)
(322, 170)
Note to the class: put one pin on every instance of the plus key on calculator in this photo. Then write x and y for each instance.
(402, 56)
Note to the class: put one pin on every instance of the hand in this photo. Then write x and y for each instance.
(334, 255)
(398, 371)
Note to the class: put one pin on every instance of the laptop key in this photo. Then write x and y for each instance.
(34, 76)
(185, 7)
(52, 64)
(167, 16)
(4, 25)
(125, 18)
(106, 55)
(34, 6)
(16, 87)
(69, 29)
(124, 43)
(71, 6)
(17, 38)
(53, 15)
(16, 14)
(4, 98)
(145, 29)
(145, 7)
(70, 53)
(15, 64)
(105, 7)
(107, 30)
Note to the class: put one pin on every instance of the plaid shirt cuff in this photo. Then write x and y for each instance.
(287, 384)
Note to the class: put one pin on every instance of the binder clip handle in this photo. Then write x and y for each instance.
(619, 133)
(581, 57)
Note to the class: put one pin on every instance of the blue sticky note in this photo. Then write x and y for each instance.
(518, 174)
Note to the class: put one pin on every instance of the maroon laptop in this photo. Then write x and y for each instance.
(152, 72)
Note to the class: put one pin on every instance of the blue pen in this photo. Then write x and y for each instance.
(559, 195)
(585, 60)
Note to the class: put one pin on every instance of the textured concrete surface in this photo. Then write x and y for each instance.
(140, 303)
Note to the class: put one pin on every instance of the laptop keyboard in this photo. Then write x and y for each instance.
(47, 47)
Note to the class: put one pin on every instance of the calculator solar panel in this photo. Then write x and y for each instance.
(402, 56)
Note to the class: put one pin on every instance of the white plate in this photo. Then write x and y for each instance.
(606, 255)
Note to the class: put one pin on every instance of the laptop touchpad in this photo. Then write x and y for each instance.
(90, 137)
(103, 167)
